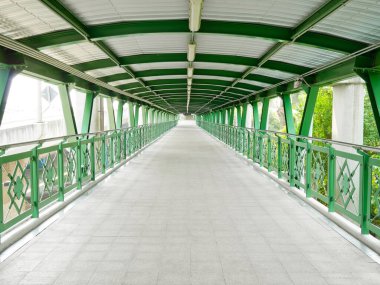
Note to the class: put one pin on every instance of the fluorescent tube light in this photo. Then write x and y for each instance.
(195, 15)
(190, 71)
(191, 52)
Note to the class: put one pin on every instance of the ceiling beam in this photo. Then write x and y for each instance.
(256, 30)
(80, 28)
(297, 32)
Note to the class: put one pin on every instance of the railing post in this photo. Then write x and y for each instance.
(269, 154)
(292, 161)
(279, 157)
(260, 140)
(79, 164)
(364, 199)
(61, 186)
(92, 158)
(125, 144)
(331, 178)
(35, 185)
(103, 153)
(308, 169)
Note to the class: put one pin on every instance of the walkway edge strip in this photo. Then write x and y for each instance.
(15, 234)
(340, 221)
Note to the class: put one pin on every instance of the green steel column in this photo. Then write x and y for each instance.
(111, 115)
(223, 116)
(145, 114)
(131, 114)
(6, 76)
(119, 117)
(153, 118)
(264, 114)
(137, 111)
(256, 118)
(239, 115)
(68, 114)
(307, 117)
(88, 105)
(288, 111)
(243, 122)
(372, 80)
(231, 114)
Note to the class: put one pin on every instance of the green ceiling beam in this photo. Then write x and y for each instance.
(183, 71)
(182, 57)
(82, 29)
(275, 33)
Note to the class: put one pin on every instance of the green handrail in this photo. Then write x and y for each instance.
(344, 177)
(34, 177)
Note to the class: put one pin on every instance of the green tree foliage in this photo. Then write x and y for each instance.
(322, 119)
(371, 135)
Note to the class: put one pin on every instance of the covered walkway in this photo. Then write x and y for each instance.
(189, 211)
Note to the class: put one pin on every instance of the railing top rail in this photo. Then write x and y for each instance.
(65, 138)
(327, 141)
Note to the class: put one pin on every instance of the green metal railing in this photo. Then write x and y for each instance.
(36, 174)
(343, 177)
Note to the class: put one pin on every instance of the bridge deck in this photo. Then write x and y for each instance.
(188, 211)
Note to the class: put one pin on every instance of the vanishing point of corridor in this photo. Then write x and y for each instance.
(189, 211)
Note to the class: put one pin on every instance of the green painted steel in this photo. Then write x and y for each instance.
(87, 114)
(310, 165)
(137, 113)
(372, 79)
(119, 118)
(111, 114)
(256, 117)
(277, 33)
(264, 114)
(6, 76)
(288, 112)
(131, 114)
(307, 116)
(68, 113)
(35, 178)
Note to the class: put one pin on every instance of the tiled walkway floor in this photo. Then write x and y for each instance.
(188, 211)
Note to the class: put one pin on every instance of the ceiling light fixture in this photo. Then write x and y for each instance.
(190, 71)
(195, 15)
(191, 52)
(189, 81)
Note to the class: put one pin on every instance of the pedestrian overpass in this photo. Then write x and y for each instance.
(185, 142)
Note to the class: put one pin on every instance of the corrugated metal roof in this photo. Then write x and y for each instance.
(220, 66)
(253, 82)
(158, 65)
(275, 12)
(105, 71)
(305, 55)
(24, 18)
(273, 73)
(149, 43)
(213, 77)
(232, 45)
(94, 12)
(124, 81)
(164, 77)
(358, 20)
(75, 53)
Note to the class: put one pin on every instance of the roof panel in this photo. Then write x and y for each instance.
(24, 18)
(213, 77)
(305, 55)
(149, 43)
(164, 77)
(219, 66)
(231, 45)
(124, 81)
(75, 53)
(256, 83)
(273, 73)
(365, 27)
(274, 12)
(94, 12)
(105, 71)
(158, 65)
